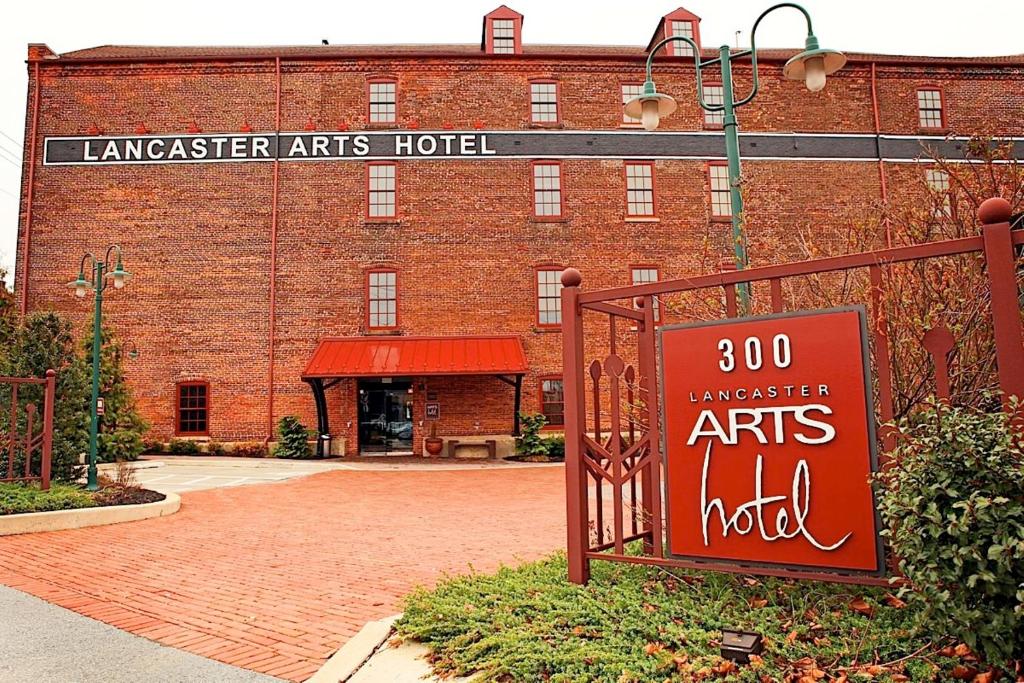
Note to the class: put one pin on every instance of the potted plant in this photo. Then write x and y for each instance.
(433, 443)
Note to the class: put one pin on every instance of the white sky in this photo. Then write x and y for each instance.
(921, 27)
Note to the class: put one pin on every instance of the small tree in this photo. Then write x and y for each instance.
(120, 427)
(44, 341)
(8, 315)
(293, 439)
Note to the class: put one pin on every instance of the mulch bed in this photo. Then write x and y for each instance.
(534, 458)
(130, 496)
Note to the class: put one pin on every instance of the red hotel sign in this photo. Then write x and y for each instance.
(769, 442)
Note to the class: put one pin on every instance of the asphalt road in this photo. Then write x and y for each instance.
(43, 642)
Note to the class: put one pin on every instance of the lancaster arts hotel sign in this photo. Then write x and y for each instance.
(769, 442)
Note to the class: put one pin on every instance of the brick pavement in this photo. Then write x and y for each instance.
(275, 578)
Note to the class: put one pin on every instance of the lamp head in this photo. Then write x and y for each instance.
(813, 64)
(119, 275)
(650, 106)
(80, 285)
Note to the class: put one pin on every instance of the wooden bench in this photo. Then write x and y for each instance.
(491, 444)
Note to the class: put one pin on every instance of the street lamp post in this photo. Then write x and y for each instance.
(101, 272)
(810, 66)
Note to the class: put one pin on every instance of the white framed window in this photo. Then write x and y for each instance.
(549, 296)
(684, 29)
(929, 108)
(721, 199)
(629, 91)
(642, 275)
(381, 181)
(383, 101)
(547, 190)
(713, 94)
(382, 299)
(640, 189)
(544, 102)
(503, 37)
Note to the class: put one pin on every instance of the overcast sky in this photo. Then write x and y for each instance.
(920, 27)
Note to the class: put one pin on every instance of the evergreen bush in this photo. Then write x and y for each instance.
(292, 439)
(530, 442)
(953, 502)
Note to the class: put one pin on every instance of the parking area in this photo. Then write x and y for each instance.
(177, 475)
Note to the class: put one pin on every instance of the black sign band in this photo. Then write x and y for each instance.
(394, 145)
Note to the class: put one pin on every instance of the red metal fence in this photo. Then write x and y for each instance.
(613, 451)
(26, 436)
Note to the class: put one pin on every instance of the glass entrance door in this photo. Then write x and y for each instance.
(385, 417)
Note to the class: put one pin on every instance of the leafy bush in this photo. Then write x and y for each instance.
(19, 498)
(215, 448)
(530, 442)
(634, 624)
(556, 446)
(253, 449)
(153, 446)
(293, 439)
(45, 341)
(953, 502)
(182, 447)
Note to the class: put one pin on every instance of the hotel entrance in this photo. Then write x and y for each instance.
(385, 417)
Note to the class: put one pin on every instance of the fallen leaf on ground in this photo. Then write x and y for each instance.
(757, 603)
(791, 638)
(894, 602)
(862, 607)
(963, 673)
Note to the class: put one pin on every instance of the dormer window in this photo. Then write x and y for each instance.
(504, 37)
(503, 32)
(682, 28)
(682, 23)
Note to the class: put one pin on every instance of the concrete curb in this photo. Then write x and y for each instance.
(57, 520)
(136, 465)
(353, 654)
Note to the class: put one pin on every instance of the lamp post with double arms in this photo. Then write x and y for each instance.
(811, 66)
(101, 272)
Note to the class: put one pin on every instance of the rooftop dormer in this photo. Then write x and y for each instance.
(680, 22)
(503, 32)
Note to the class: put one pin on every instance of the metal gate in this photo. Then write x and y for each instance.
(613, 451)
(26, 434)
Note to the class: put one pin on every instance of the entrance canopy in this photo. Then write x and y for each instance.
(416, 357)
(366, 357)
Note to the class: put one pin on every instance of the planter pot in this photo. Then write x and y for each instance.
(433, 446)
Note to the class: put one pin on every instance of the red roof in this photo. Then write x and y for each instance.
(416, 356)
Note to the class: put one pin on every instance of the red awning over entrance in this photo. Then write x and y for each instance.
(416, 356)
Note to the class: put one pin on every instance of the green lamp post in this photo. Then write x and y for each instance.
(811, 66)
(101, 273)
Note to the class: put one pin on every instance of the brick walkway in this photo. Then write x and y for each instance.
(276, 577)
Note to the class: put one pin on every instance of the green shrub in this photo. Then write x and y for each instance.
(555, 446)
(953, 505)
(292, 439)
(182, 447)
(19, 498)
(530, 442)
(215, 448)
(45, 341)
(153, 446)
(120, 427)
(253, 449)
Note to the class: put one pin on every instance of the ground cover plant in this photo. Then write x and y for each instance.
(19, 498)
(634, 623)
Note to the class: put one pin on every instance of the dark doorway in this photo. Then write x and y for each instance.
(385, 417)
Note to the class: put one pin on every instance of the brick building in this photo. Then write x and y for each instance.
(386, 225)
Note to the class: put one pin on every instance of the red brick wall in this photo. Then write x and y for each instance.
(198, 236)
